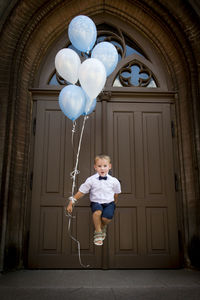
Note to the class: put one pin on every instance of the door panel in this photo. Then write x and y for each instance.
(157, 230)
(126, 221)
(144, 231)
(50, 230)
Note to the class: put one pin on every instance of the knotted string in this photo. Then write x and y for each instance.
(73, 131)
(73, 177)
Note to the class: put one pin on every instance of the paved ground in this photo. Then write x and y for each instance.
(99, 284)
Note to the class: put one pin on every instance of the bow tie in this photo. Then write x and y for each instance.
(101, 177)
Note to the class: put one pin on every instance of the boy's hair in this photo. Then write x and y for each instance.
(102, 156)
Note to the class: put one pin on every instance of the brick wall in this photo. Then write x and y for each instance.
(30, 28)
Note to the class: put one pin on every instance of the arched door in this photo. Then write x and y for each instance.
(132, 123)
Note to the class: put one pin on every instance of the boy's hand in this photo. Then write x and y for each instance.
(69, 208)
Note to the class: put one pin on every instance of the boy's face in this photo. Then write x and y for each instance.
(102, 167)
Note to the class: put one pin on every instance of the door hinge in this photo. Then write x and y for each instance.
(34, 126)
(173, 129)
(176, 182)
(31, 181)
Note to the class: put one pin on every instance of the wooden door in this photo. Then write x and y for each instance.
(50, 245)
(144, 231)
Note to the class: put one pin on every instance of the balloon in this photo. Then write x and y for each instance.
(107, 54)
(92, 77)
(67, 64)
(72, 101)
(82, 33)
(90, 105)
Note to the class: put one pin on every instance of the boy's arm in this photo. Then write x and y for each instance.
(115, 198)
(77, 196)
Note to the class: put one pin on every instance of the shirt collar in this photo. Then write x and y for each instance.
(97, 175)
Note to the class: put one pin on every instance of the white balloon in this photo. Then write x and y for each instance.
(67, 63)
(92, 77)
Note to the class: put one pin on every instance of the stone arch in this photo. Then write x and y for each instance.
(30, 30)
(153, 62)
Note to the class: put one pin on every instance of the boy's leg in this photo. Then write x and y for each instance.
(97, 220)
(108, 212)
(105, 221)
(107, 215)
(97, 212)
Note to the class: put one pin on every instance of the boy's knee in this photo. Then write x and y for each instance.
(106, 220)
(98, 213)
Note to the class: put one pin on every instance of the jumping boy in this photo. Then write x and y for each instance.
(104, 190)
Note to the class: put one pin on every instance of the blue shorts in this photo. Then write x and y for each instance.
(107, 209)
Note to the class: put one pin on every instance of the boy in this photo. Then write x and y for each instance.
(104, 190)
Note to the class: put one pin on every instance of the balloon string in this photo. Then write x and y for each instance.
(76, 171)
(73, 131)
(70, 217)
(73, 176)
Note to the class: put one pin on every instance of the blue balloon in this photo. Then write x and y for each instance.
(72, 101)
(89, 105)
(107, 54)
(82, 33)
(92, 107)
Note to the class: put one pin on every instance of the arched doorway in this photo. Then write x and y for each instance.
(132, 123)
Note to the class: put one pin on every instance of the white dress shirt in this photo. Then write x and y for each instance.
(101, 191)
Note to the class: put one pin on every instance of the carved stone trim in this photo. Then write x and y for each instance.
(142, 82)
(105, 96)
(116, 36)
